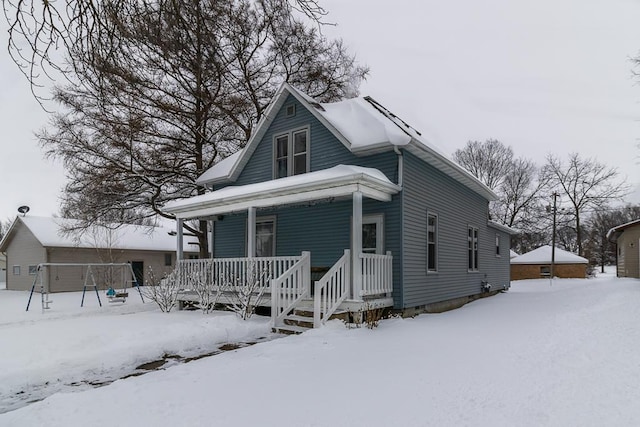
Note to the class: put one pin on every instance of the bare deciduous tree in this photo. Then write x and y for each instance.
(518, 184)
(585, 183)
(173, 87)
(489, 161)
(37, 29)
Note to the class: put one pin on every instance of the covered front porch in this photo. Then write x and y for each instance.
(360, 279)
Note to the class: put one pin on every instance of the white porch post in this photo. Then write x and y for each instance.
(210, 225)
(180, 241)
(251, 232)
(356, 244)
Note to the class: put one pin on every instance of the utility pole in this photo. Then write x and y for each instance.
(553, 235)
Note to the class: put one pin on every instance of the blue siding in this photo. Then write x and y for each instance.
(326, 150)
(457, 207)
(321, 228)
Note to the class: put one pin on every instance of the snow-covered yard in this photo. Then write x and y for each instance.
(539, 355)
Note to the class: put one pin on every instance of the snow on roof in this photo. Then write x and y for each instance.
(49, 233)
(616, 231)
(513, 254)
(334, 181)
(362, 125)
(221, 169)
(542, 255)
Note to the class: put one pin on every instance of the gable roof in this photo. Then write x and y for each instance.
(615, 232)
(362, 125)
(48, 231)
(542, 255)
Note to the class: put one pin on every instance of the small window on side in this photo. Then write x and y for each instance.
(16, 270)
(432, 243)
(33, 270)
(497, 245)
(168, 259)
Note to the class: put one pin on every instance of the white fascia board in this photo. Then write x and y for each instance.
(307, 191)
(276, 102)
(5, 239)
(501, 227)
(226, 206)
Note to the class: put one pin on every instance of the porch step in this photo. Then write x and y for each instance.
(290, 329)
(308, 312)
(297, 320)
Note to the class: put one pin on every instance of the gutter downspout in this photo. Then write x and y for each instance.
(400, 164)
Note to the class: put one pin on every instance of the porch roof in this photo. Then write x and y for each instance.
(338, 181)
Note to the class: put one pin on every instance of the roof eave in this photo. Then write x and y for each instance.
(451, 169)
(370, 186)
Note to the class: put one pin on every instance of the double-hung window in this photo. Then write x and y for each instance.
(497, 244)
(291, 153)
(473, 248)
(432, 242)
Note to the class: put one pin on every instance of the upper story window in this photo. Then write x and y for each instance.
(497, 245)
(291, 153)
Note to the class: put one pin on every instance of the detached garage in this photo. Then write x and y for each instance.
(33, 240)
(627, 239)
(537, 264)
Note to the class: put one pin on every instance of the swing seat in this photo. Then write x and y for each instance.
(117, 296)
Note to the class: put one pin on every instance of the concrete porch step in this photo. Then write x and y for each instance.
(297, 320)
(290, 330)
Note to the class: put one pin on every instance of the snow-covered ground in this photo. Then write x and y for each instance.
(68, 347)
(539, 355)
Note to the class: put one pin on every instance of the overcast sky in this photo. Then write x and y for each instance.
(542, 77)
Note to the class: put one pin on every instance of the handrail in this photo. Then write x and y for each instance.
(377, 274)
(236, 269)
(288, 289)
(331, 290)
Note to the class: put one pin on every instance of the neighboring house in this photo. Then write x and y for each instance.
(627, 239)
(33, 240)
(3, 269)
(317, 179)
(536, 264)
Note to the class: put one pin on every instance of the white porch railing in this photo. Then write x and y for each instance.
(289, 288)
(377, 274)
(331, 290)
(238, 270)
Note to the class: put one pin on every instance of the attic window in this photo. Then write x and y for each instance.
(291, 110)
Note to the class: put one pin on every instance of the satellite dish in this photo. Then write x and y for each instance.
(23, 210)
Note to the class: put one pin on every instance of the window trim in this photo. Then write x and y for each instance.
(260, 219)
(16, 270)
(378, 219)
(437, 240)
(33, 269)
(498, 254)
(290, 151)
(473, 249)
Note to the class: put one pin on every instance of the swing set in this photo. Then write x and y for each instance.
(113, 295)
